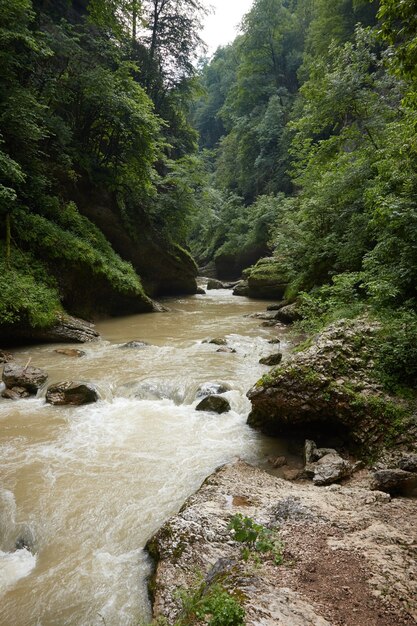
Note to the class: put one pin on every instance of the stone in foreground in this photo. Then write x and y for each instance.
(71, 393)
(214, 404)
(393, 481)
(30, 378)
(272, 359)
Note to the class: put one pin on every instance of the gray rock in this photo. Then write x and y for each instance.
(408, 463)
(15, 393)
(293, 510)
(241, 289)
(288, 314)
(215, 404)
(227, 350)
(212, 389)
(67, 329)
(30, 378)
(272, 359)
(309, 452)
(71, 393)
(276, 307)
(200, 291)
(72, 352)
(135, 344)
(5, 357)
(330, 469)
(213, 283)
(393, 481)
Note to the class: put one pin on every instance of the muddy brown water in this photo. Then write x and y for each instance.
(84, 488)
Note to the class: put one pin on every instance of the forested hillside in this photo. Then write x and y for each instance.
(308, 126)
(94, 142)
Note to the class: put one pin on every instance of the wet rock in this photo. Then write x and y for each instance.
(71, 393)
(266, 279)
(135, 345)
(200, 291)
(408, 463)
(272, 359)
(276, 307)
(274, 341)
(241, 289)
(277, 461)
(288, 314)
(72, 352)
(217, 341)
(214, 404)
(29, 378)
(330, 469)
(227, 350)
(15, 393)
(270, 323)
(5, 357)
(393, 481)
(67, 329)
(213, 283)
(157, 307)
(212, 389)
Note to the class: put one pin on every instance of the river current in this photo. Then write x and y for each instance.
(86, 487)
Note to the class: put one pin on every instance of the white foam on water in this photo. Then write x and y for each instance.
(14, 566)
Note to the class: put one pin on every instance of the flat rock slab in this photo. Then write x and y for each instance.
(71, 393)
(29, 378)
(348, 558)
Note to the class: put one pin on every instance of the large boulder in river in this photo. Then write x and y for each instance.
(65, 329)
(72, 393)
(213, 283)
(241, 289)
(214, 404)
(394, 481)
(266, 279)
(288, 314)
(29, 378)
(329, 389)
(212, 389)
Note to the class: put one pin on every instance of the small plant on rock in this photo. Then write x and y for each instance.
(257, 539)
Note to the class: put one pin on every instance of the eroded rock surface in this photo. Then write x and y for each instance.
(214, 404)
(348, 553)
(71, 393)
(328, 388)
(29, 378)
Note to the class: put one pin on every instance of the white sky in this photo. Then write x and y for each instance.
(221, 27)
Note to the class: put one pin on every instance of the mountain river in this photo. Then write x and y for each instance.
(86, 487)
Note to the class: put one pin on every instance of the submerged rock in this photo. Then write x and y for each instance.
(72, 352)
(72, 393)
(272, 359)
(135, 344)
(212, 389)
(29, 378)
(227, 350)
(214, 404)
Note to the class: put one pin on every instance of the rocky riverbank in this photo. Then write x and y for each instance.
(348, 553)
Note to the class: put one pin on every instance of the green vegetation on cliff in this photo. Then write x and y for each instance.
(93, 141)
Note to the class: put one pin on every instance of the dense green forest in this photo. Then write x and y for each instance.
(94, 143)
(296, 141)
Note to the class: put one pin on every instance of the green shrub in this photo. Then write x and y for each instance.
(396, 359)
(256, 538)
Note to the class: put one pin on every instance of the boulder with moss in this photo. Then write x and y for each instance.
(330, 389)
(266, 280)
